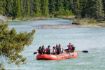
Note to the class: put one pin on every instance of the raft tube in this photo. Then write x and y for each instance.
(57, 57)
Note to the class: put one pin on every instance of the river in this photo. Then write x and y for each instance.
(83, 38)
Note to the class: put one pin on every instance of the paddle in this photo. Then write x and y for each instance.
(35, 53)
(84, 51)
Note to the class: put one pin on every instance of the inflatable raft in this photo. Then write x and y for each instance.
(57, 57)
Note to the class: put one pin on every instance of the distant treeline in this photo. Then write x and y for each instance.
(53, 8)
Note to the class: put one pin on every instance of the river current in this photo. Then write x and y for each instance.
(83, 38)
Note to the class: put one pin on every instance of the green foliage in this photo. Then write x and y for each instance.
(99, 9)
(18, 8)
(13, 43)
(24, 8)
(92, 21)
(34, 8)
(1, 66)
(44, 8)
(29, 4)
(52, 7)
(37, 8)
(1, 6)
(88, 8)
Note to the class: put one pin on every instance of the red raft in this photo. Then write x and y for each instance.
(57, 57)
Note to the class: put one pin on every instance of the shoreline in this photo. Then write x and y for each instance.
(78, 22)
(67, 26)
(39, 18)
(88, 23)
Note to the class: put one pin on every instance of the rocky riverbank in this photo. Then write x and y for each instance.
(3, 19)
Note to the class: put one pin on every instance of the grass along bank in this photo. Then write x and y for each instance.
(88, 22)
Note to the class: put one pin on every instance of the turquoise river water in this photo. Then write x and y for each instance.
(83, 38)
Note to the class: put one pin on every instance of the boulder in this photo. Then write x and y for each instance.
(3, 19)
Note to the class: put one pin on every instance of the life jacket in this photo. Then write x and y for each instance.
(54, 51)
(69, 47)
(39, 51)
(47, 50)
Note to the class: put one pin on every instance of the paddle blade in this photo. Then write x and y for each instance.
(35, 53)
(85, 51)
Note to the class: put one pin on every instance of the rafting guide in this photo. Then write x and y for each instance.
(71, 48)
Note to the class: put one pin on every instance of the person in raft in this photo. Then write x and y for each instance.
(58, 49)
(43, 49)
(54, 50)
(48, 50)
(39, 50)
(71, 48)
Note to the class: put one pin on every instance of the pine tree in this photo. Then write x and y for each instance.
(19, 8)
(67, 8)
(93, 9)
(13, 43)
(76, 7)
(32, 8)
(103, 6)
(28, 6)
(60, 7)
(99, 9)
(12, 9)
(24, 8)
(83, 4)
(80, 8)
(52, 7)
(1, 6)
(37, 7)
(44, 7)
